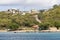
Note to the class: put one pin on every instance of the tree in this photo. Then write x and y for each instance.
(43, 26)
(13, 26)
(57, 24)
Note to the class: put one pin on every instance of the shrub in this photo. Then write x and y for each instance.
(13, 26)
(44, 26)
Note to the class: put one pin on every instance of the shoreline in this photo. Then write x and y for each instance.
(31, 31)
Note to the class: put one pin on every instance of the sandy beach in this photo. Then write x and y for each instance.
(31, 31)
(3, 30)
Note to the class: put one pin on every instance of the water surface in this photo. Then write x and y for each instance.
(30, 36)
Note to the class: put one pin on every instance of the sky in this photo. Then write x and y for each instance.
(27, 4)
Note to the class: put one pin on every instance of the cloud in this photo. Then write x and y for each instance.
(29, 4)
(10, 1)
(42, 2)
(58, 1)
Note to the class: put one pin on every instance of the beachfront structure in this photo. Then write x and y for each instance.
(36, 27)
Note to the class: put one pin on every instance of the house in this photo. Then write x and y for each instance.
(13, 11)
(33, 11)
(25, 12)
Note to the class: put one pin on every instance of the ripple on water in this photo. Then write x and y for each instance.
(30, 36)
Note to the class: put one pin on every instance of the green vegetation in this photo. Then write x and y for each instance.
(13, 26)
(44, 26)
(49, 18)
(7, 21)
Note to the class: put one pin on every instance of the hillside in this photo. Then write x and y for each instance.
(46, 19)
(51, 17)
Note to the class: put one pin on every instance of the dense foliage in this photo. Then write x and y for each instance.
(49, 18)
(8, 21)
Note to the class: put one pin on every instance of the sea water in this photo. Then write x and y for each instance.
(30, 36)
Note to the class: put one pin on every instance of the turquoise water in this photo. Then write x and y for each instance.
(30, 36)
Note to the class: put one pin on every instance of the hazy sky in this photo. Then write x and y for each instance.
(27, 4)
